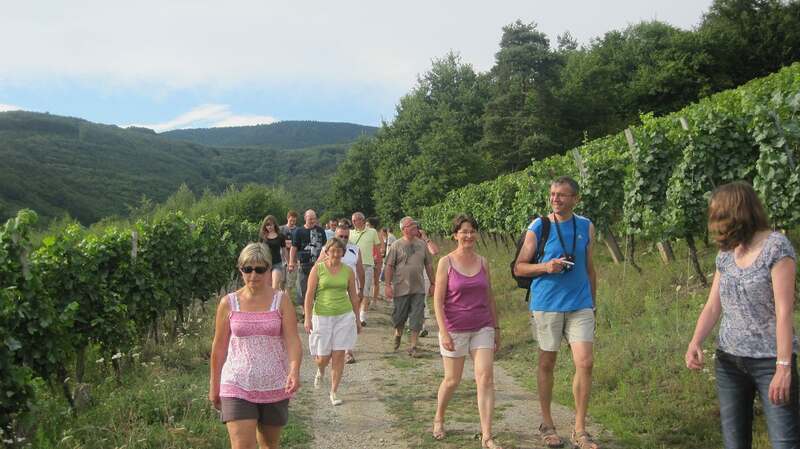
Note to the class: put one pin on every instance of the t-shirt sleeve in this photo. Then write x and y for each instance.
(391, 256)
(536, 228)
(296, 238)
(781, 248)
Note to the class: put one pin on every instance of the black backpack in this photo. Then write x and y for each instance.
(525, 281)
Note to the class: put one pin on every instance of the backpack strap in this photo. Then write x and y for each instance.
(542, 242)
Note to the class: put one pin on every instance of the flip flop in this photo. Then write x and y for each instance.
(438, 434)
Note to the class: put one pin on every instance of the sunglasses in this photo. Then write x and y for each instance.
(248, 269)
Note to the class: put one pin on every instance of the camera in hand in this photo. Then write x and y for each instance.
(568, 264)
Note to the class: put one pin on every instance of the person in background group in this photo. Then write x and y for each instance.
(331, 316)
(377, 256)
(351, 258)
(330, 228)
(467, 317)
(367, 240)
(432, 248)
(387, 238)
(563, 304)
(289, 277)
(255, 356)
(753, 292)
(276, 242)
(406, 261)
(307, 243)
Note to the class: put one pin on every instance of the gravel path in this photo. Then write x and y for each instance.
(364, 420)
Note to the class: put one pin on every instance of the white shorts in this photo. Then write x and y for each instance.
(332, 333)
(465, 342)
(369, 280)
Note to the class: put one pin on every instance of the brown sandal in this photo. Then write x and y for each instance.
(550, 437)
(582, 440)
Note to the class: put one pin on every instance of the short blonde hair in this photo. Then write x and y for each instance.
(337, 242)
(257, 253)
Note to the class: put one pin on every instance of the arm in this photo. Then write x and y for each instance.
(708, 318)
(291, 339)
(523, 267)
(308, 301)
(355, 301)
(431, 277)
(492, 305)
(439, 293)
(292, 258)
(433, 248)
(219, 349)
(783, 281)
(388, 273)
(284, 251)
(590, 266)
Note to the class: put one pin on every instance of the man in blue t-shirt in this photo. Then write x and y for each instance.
(563, 301)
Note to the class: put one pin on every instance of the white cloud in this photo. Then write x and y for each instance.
(209, 116)
(9, 107)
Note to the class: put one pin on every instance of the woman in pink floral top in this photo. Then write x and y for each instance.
(255, 356)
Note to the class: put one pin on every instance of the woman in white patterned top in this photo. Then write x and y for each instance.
(753, 293)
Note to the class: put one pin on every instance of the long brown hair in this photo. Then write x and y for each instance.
(735, 214)
(269, 219)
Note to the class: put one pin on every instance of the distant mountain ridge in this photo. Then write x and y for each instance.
(57, 165)
(279, 135)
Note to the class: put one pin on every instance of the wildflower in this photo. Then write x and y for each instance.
(116, 356)
(100, 360)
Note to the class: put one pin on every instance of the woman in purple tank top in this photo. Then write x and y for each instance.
(467, 318)
(255, 356)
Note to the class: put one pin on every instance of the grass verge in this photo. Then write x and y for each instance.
(160, 402)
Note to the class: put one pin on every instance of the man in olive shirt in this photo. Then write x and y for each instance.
(369, 243)
(407, 261)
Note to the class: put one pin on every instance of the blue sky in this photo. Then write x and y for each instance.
(196, 63)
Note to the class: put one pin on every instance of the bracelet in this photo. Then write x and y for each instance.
(783, 363)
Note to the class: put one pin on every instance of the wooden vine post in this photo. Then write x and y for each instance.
(630, 240)
(689, 237)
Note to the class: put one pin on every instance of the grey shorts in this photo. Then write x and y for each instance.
(270, 414)
(550, 328)
(409, 307)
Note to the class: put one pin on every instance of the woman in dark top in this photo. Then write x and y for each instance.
(276, 242)
(753, 295)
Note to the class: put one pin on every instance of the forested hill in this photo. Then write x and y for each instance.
(282, 135)
(57, 165)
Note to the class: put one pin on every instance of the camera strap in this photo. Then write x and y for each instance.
(574, 235)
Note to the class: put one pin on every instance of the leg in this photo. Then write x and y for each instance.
(783, 421)
(243, 433)
(337, 367)
(736, 391)
(269, 437)
(544, 382)
(582, 382)
(483, 360)
(277, 277)
(416, 317)
(400, 311)
(367, 290)
(453, 370)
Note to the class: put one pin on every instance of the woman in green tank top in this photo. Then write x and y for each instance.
(331, 314)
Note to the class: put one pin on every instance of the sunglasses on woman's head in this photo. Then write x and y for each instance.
(248, 269)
